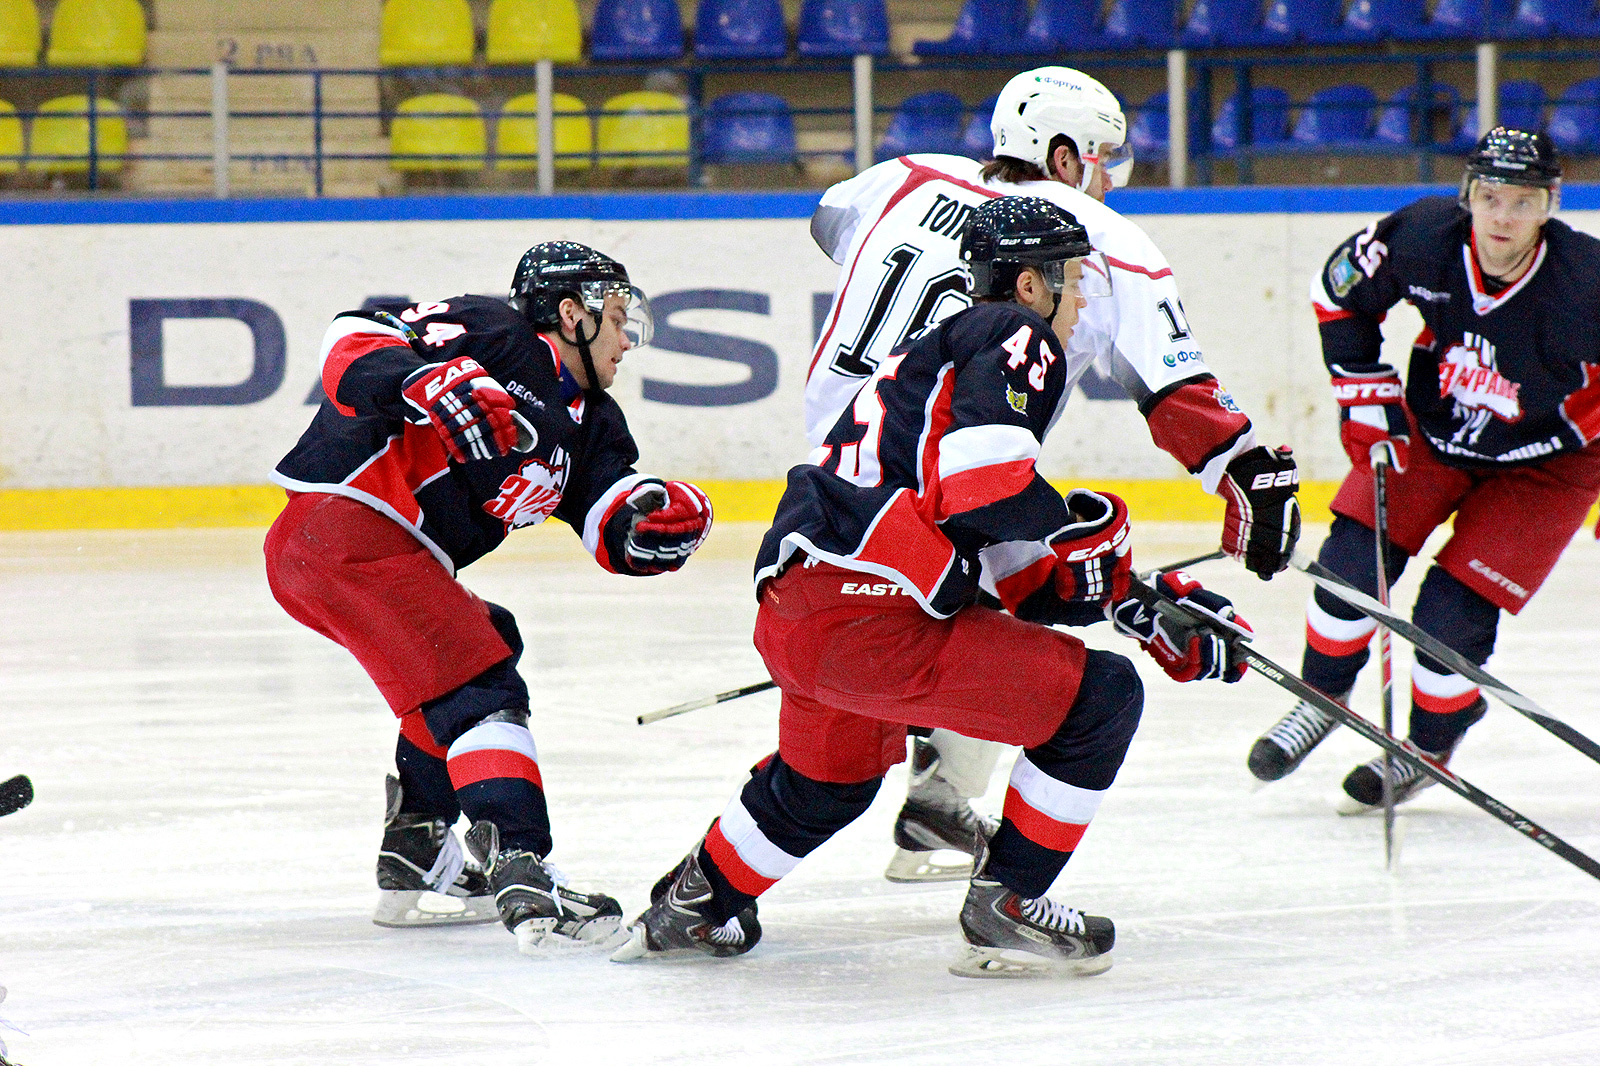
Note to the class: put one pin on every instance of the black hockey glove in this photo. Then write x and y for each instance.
(662, 525)
(1188, 651)
(471, 411)
(1262, 524)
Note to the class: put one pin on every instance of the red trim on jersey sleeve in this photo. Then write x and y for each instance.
(486, 764)
(738, 872)
(940, 418)
(1330, 314)
(1581, 408)
(1190, 424)
(983, 485)
(1039, 827)
(900, 540)
(1014, 588)
(601, 554)
(346, 350)
(1135, 268)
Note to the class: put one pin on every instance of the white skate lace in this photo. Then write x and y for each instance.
(1048, 914)
(1300, 729)
(448, 865)
(729, 932)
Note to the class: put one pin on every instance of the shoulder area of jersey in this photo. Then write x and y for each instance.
(959, 167)
(1107, 228)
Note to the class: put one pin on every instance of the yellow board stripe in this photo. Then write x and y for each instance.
(202, 506)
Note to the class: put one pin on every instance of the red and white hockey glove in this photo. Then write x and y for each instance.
(1203, 650)
(1094, 557)
(667, 524)
(1372, 410)
(471, 411)
(1262, 523)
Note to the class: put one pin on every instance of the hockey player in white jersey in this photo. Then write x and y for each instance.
(895, 230)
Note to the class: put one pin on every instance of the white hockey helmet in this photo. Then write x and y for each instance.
(1039, 104)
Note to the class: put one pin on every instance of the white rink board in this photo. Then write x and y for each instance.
(65, 339)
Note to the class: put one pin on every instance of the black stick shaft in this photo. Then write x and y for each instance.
(1380, 517)
(1401, 749)
(1423, 641)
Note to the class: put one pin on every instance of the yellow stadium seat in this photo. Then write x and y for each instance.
(10, 139)
(425, 33)
(61, 130)
(517, 133)
(526, 31)
(97, 33)
(423, 139)
(19, 33)
(656, 140)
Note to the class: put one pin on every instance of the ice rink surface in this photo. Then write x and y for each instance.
(193, 884)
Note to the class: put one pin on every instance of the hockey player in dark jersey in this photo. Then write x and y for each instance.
(443, 427)
(867, 584)
(1496, 423)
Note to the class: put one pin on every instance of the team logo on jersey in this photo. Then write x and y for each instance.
(1342, 274)
(530, 495)
(1017, 400)
(1467, 375)
(1226, 402)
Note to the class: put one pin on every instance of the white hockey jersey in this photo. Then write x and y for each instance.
(895, 229)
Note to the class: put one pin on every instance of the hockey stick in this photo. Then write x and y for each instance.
(1447, 655)
(750, 690)
(1380, 525)
(15, 794)
(1401, 749)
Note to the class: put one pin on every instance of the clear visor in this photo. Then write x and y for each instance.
(1118, 161)
(1090, 279)
(640, 325)
(1482, 194)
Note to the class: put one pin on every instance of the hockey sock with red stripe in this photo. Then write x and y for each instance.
(1056, 787)
(494, 767)
(1338, 636)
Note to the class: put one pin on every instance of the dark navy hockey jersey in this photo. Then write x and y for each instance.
(1498, 378)
(360, 444)
(934, 460)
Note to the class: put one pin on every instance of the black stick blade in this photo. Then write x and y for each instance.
(15, 794)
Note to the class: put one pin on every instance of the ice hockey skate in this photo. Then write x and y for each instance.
(675, 922)
(534, 901)
(424, 878)
(1009, 936)
(1363, 786)
(934, 818)
(1279, 751)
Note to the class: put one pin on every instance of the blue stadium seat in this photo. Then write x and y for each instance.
(748, 128)
(1269, 119)
(1457, 20)
(1372, 20)
(1399, 120)
(1338, 115)
(637, 29)
(1139, 24)
(1575, 121)
(926, 122)
(982, 27)
(978, 141)
(1058, 26)
(1521, 108)
(1222, 24)
(1150, 126)
(1545, 18)
(843, 28)
(1291, 21)
(740, 29)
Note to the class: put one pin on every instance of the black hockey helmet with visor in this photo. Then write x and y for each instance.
(556, 270)
(1506, 156)
(1011, 233)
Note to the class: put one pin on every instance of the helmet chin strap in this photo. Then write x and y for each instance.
(582, 344)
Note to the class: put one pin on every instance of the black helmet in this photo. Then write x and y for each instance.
(1011, 232)
(557, 270)
(1514, 157)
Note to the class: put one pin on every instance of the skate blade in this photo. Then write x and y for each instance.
(539, 937)
(918, 867)
(399, 909)
(975, 961)
(634, 947)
